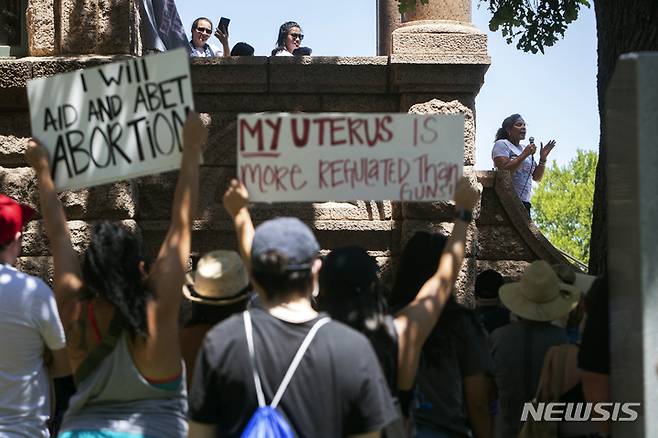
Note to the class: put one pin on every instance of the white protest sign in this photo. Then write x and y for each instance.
(340, 157)
(115, 121)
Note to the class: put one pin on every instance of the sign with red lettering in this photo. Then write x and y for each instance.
(113, 122)
(341, 157)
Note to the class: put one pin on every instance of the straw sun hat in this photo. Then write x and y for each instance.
(220, 279)
(540, 295)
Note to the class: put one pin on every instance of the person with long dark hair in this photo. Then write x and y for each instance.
(454, 384)
(508, 154)
(120, 318)
(289, 39)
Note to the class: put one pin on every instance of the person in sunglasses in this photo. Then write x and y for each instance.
(290, 38)
(199, 46)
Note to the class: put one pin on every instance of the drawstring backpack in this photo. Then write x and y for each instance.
(267, 422)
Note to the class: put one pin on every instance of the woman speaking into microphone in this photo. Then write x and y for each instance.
(508, 154)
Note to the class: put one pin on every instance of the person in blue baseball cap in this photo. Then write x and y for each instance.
(337, 387)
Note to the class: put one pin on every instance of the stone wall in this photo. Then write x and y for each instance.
(82, 26)
(223, 87)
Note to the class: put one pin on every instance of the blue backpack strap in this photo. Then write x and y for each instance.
(252, 358)
(293, 365)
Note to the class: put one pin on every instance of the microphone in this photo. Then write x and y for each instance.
(532, 142)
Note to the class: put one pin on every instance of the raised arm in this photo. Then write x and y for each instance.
(415, 322)
(67, 280)
(167, 275)
(222, 36)
(236, 199)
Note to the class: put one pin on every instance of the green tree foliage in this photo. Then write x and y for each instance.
(562, 204)
(536, 23)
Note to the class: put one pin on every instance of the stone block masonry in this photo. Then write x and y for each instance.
(225, 87)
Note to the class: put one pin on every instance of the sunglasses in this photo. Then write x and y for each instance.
(204, 30)
(296, 35)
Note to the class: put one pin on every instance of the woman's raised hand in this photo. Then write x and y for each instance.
(36, 155)
(467, 194)
(235, 198)
(545, 150)
(222, 35)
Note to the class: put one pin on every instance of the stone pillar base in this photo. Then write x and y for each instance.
(439, 37)
(101, 28)
(40, 24)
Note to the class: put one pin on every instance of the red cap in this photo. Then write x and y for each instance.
(13, 217)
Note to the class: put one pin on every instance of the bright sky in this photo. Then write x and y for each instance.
(555, 93)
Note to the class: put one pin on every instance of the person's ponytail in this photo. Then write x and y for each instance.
(111, 270)
(503, 131)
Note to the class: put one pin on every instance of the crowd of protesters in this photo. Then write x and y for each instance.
(275, 336)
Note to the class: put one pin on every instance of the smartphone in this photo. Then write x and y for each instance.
(223, 25)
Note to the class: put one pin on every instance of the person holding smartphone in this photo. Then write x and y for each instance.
(202, 28)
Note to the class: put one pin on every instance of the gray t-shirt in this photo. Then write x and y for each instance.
(453, 354)
(518, 351)
(522, 178)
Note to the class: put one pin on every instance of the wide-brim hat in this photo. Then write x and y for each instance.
(220, 278)
(540, 295)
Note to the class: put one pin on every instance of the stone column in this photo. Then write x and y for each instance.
(388, 19)
(442, 27)
(93, 27)
(632, 120)
(82, 27)
(40, 25)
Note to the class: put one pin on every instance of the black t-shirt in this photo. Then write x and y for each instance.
(453, 352)
(337, 390)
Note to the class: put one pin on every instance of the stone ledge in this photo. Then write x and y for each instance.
(533, 239)
(48, 66)
(449, 76)
(328, 74)
(229, 75)
(15, 72)
(254, 102)
(439, 59)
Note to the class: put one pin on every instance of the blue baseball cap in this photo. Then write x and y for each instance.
(289, 237)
